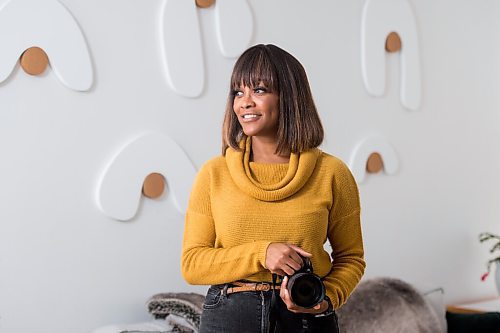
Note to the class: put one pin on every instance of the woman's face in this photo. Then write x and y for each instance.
(257, 110)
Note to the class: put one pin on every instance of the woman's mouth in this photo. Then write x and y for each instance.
(250, 117)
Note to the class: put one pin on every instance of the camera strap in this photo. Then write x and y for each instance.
(273, 317)
(273, 311)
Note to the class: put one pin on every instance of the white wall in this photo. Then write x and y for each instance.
(66, 267)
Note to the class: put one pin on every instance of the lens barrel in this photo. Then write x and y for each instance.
(306, 289)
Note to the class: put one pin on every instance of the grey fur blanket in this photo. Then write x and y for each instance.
(387, 305)
(185, 305)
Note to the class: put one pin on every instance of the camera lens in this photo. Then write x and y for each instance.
(306, 289)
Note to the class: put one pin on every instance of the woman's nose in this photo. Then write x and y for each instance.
(247, 101)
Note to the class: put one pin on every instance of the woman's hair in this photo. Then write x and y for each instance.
(299, 126)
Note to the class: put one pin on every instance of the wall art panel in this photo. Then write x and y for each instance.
(48, 25)
(374, 147)
(381, 18)
(233, 41)
(120, 187)
(182, 49)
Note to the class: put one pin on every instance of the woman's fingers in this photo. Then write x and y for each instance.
(292, 307)
(283, 287)
(294, 261)
(285, 296)
(288, 270)
(300, 251)
(284, 259)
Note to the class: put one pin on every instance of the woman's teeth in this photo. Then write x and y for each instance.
(248, 116)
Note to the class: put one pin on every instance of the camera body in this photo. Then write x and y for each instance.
(306, 288)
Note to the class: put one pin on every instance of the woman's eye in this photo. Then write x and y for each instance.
(237, 93)
(260, 90)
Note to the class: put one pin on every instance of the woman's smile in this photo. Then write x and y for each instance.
(249, 117)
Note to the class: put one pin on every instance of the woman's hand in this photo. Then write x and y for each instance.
(285, 296)
(284, 259)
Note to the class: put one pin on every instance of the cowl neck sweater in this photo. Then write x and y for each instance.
(238, 208)
(300, 168)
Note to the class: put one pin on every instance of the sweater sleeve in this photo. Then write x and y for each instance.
(201, 262)
(344, 234)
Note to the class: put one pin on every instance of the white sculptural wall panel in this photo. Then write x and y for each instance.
(381, 17)
(372, 144)
(50, 26)
(119, 190)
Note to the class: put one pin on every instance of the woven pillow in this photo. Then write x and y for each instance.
(185, 305)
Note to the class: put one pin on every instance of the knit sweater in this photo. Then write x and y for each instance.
(237, 208)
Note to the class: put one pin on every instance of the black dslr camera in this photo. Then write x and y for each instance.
(306, 288)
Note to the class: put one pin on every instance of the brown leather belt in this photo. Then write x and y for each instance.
(250, 286)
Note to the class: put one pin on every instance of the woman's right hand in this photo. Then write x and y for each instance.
(284, 259)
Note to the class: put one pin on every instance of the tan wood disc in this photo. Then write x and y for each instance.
(204, 3)
(393, 42)
(34, 61)
(153, 186)
(374, 163)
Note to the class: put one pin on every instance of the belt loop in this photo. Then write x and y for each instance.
(224, 290)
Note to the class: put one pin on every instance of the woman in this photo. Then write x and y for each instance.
(269, 202)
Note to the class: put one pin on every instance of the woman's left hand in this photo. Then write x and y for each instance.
(285, 296)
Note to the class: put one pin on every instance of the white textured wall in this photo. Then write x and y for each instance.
(66, 267)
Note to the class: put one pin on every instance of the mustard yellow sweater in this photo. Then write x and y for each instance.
(237, 208)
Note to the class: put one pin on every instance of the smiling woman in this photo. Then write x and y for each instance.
(265, 208)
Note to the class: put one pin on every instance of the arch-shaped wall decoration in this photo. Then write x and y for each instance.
(48, 25)
(380, 18)
(233, 41)
(120, 186)
(181, 40)
(181, 45)
(363, 151)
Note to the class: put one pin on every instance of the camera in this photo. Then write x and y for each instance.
(306, 288)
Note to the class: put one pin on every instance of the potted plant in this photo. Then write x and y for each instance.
(486, 236)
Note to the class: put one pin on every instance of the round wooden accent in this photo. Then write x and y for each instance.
(204, 3)
(34, 61)
(374, 163)
(153, 186)
(393, 42)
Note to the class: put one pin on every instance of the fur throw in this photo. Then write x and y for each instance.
(188, 306)
(387, 305)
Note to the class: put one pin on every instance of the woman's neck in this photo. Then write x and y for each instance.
(264, 151)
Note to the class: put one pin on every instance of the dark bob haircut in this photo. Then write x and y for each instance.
(299, 125)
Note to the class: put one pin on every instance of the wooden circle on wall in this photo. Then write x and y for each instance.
(34, 61)
(204, 3)
(393, 42)
(153, 186)
(374, 163)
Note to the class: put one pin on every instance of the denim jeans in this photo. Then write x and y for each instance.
(249, 312)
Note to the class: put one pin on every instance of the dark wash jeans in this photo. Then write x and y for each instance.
(248, 311)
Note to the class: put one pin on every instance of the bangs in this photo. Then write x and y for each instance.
(254, 68)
